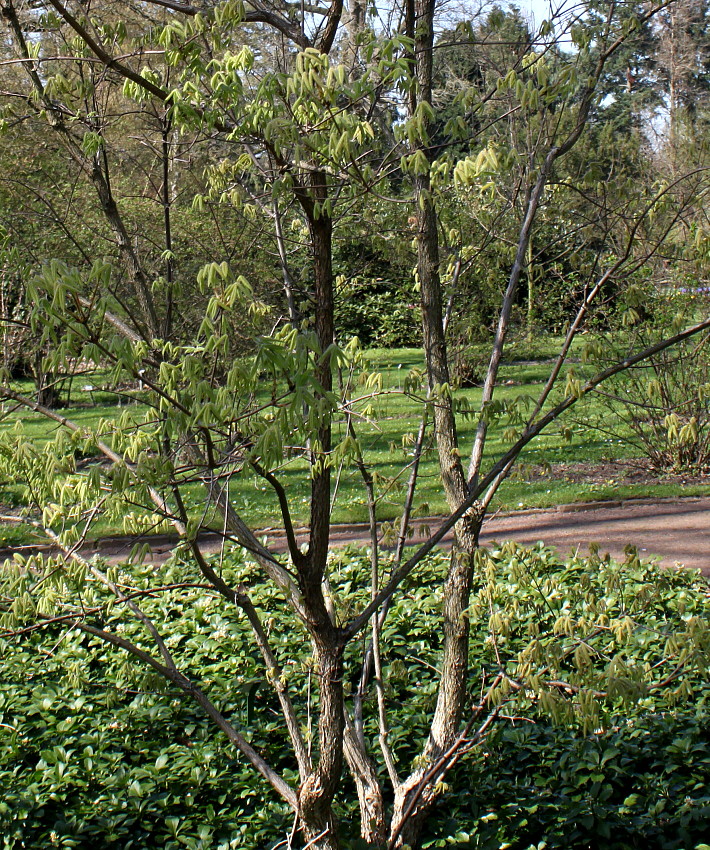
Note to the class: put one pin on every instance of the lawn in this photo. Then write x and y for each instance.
(542, 477)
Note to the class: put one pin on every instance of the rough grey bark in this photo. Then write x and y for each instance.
(369, 790)
(406, 822)
(354, 20)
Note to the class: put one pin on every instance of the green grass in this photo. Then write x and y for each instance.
(517, 379)
(523, 374)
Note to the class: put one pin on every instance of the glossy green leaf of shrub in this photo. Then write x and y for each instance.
(606, 746)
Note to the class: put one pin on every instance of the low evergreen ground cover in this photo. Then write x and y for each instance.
(94, 752)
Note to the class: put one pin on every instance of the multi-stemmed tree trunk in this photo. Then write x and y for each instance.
(446, 722)
(317, 178)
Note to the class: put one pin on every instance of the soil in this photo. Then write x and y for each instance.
(636, 471)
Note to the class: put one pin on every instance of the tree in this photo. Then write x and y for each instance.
(683, 60)
(260, 86)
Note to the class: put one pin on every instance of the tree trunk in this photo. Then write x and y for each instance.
(316, 793)
(417, 794)
(373, 822)
(321, 233)
(45, 384)
(355, 25)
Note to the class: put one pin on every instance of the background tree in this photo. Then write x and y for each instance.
(683, 57)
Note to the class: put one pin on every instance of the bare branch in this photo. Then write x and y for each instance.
(297, 556)
(109, 61)
(449, 758)
(175, 6)
(266, 16)
(358, 623)
(182, 682)
(532, 206)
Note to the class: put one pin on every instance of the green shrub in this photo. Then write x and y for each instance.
(641, 784)
(635, 777)
(380, 312)
(95, 753)
(661, 406)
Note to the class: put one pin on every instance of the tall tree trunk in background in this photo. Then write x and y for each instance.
(354, 20)
(684, 59)
(46, 390)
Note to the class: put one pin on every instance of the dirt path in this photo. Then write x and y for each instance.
(677, 531)
(674, 530)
